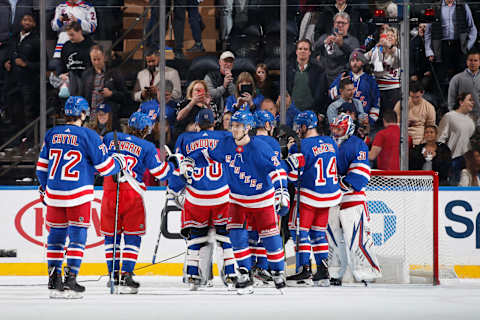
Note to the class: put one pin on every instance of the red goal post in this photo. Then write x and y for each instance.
(403, 208)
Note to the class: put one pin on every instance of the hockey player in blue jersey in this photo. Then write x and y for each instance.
(316, 163)
(206, 205)
(69, 157)
(349, 238)
(140, 156)
(258, 187)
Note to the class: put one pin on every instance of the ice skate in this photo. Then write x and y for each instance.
(127, 284)
(72, 289)
(261, 277)
(55, 284)
(302, 278)
(116, 279)
(279, 280)
(244, 283)
(335, 282)
(194, 282)
(321, 278)
(230, 281)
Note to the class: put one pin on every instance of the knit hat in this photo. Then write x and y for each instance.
(357, 54)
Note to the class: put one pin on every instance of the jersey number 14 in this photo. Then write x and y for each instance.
(331, 171)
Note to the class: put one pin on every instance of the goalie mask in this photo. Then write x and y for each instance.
(342, 128)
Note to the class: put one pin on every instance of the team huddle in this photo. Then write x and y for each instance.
(230, 184)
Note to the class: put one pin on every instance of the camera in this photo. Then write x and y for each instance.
(65, 16)
(246, 88)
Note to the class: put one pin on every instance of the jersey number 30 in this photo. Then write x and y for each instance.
(73, 157)
(331, 169)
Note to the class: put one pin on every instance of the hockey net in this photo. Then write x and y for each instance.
(403, 207)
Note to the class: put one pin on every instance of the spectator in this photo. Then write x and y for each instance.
(227, 116)
(448, 39)
(220, 83)
(245, 97)
(101, 85)
(421, 113)
(346, 95)
(103, 123)
(385, 57)
(292, 110)
(432, 155)
(307, 82)
(227, 19)
(170, 104)
(263, 82)
(72, 11)
(386, 145)
(333, 50)
(455, 129)
(195, 22)
(197, 99)
(467, 81)
(365, 86)
(22, 66)
(470, 176)
(419, 64)
(148, 79)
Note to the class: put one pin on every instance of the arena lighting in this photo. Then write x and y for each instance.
(429, 12)
(379, 13)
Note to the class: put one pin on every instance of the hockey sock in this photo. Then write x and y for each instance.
(252, 244)
(274, 247)
(228, 258)
(78, 238)
(198, 239)
(304, 248)
(56, 247)
(319, 245)
(130, 252)
(239, 238)
(261, 254)
(109, 252)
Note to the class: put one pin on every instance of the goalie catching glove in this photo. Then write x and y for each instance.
(295, 161)
(281, 201)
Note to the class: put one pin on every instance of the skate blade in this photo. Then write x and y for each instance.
(300, 283)
(194, 287)
(127, 290)
(322, 283)
(244, 291)
(282, 291)
(55, 294)
(231, 287)
(69, 294)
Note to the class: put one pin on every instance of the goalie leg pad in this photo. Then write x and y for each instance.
(130, 252)
(78, 238)
(55, 247)
(337, 254)
(109, 252)
(226, 259)
(360, 248)
(198, 239)
(241, 250)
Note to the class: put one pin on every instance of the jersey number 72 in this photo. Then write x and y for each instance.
(73, 157)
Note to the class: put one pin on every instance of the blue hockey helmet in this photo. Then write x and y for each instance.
(262, 117)
(205, 115)
(307, 118)
(139, 121)
(75, 105)
(151, 108)
(344, 122)
(243, 116)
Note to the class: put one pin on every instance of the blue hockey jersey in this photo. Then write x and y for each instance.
(69, 157)
(319, 181)
(253, 171)
(366, 90)
(353, 164)
(140, 155)
(209, 185)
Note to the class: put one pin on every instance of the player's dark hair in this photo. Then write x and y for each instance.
(390, 116)
(416, 86)
(138, 133)
(72, 118)
(75, 26)
(345, 82)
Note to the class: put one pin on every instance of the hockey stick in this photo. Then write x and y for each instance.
(112, 280)
(297, 204)
(162, 214)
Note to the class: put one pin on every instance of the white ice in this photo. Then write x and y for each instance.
(167, 298)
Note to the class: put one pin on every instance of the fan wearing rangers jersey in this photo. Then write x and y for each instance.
(70, 156)
(258, 187)
(140, 155)
(206, 205)
(349, 238)
(319, 191)
(72, 11)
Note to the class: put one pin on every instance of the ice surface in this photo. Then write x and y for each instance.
(167, 298)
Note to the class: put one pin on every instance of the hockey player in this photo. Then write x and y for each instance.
(140, 155)
(349, 238)
(72, 11)
(258, 187)
(68, 160)
(319, 191)
(206, 205)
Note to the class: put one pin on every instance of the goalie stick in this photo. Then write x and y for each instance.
(112, 281)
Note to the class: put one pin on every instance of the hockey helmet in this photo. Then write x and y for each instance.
(205, 115)
(262, 117)
(151, 108)
(307, 118)
(244, 117)
(75, 105)
(345, 122)
(139, 121)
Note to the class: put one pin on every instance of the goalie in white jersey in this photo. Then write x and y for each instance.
(349, 237)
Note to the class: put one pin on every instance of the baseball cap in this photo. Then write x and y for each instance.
(205, 115)
(226, 55)
(104, 107)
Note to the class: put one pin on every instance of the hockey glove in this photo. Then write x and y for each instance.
(175, 159)
(282, 201)
(42, 194)
(120, 159)
(344, 185)
(186, 167)
(177, 197)
(295, 161)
